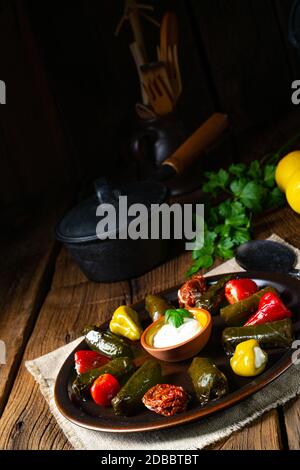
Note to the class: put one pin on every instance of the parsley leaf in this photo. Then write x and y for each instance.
(241, 236)
(216, 181)
(269, 175)
(176, 316)
(225, 209)
(237, 169)
(251, 196)
(237, 186)
(275, 198)
(255, 170)
(224, 248)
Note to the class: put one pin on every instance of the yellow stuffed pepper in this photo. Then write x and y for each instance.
(125, 322)
(249, 359)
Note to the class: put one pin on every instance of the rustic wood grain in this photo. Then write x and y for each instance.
(26, 422)
(239, 47)
(263, 434)
(35, 158)
(292, 423)
(26, 265)
(283, 10)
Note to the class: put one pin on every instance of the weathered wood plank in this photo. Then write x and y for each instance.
(292, 423)
(263, 434)
(26, 422)
(26, 264)
(283, 10)
(66, 272)
(284, 223)
(240, 52)
(36, 157)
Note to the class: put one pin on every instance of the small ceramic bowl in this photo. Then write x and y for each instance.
(182, 351)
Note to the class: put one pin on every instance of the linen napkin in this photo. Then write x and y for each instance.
(189, 437)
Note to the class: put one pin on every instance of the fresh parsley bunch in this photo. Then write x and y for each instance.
(251, 189)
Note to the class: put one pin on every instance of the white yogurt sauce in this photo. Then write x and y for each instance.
(168, 335)
(260, 357)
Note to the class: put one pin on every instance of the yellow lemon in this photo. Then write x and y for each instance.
(287, 166)
(293, 192)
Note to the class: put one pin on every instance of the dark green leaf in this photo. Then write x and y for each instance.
(216, 180)
(251, 196)
(237, 169)
(237, 208)
(205, 261)
(237, 186)
(269, 175)
(241, 236)
(208, 247)
(275, 198)
(212, 215)
(224, 248)
(238, 220)
(192, 270)
(223, 230)
(209, 237)
(255, 171)
(223, 177)
(185, 313)
(225, 209)
(176, 317)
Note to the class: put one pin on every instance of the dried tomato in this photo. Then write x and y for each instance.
(166, 400)
(191, 290)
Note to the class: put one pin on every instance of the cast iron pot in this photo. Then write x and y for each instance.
(113, 259)
(116, 259)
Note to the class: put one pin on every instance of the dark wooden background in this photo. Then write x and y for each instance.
(71, 90)
(72, 85)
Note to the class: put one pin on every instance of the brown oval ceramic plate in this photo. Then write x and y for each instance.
(89, 415)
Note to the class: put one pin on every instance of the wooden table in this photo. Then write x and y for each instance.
(45, 302)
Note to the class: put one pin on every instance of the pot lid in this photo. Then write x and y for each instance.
(81, 222)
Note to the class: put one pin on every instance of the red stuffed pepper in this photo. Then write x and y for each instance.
(104, 389)
(270, 308)
(86, 360)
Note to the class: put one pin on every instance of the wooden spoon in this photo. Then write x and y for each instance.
(158, 87)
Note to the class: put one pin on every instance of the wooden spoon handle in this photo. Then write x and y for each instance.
(202, 138)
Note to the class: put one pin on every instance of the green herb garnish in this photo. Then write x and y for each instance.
(176, 316)
(250, 189)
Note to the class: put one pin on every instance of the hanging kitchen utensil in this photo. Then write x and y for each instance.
(132, 13)
(168, 51)
(158, 88)
(144, 112)
(139, 61)
(118, 258)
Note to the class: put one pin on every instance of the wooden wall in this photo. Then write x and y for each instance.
(72, 85)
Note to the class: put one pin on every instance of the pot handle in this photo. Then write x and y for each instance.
(202, 138)
(104, 192)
